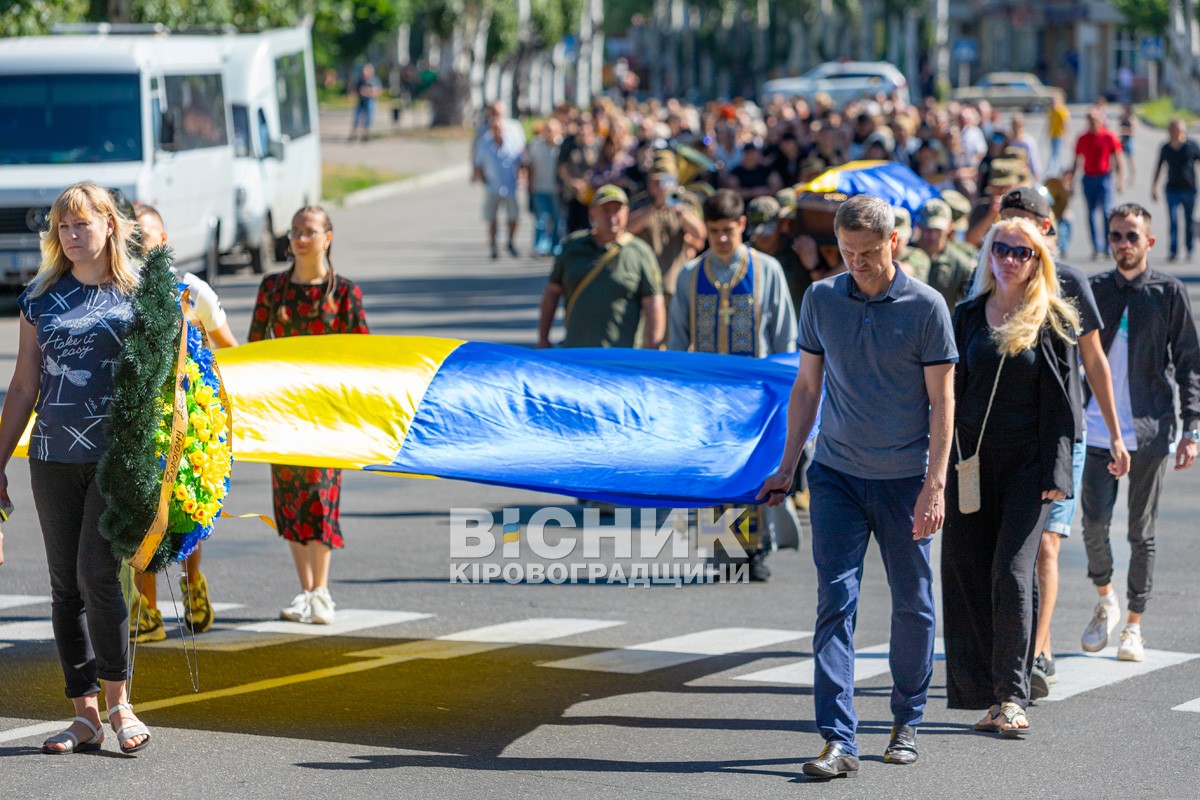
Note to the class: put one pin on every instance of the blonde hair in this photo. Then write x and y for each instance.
(85, 200)
(1043, 304)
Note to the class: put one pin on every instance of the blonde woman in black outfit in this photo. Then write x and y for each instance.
(1016, 342)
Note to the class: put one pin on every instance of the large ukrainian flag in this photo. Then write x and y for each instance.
(631, 426)
(636, 427)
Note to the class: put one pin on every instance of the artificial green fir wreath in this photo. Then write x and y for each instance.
(141, 418)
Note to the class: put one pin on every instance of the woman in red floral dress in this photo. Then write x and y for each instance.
(308, 299)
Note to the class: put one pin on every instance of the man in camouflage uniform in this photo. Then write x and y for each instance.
(950, 271)
(913, 260)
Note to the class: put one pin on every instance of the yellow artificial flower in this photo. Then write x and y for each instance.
(189, 506)
(180, 493)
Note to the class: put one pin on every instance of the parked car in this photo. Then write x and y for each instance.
(843, 81)
(1010, 90)
(146, 114)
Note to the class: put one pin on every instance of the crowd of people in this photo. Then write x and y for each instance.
(682, 228)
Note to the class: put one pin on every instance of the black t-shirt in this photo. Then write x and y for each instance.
(1014, 415)
(1075, 286)
(1181, 165)
(751, 178)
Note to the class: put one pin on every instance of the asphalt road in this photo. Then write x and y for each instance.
(429, 689)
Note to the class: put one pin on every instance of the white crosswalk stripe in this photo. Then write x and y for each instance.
(493, 637)
(40, 630)
(869, 662)
(1191, 705)
(678, 650)
(18, 600)
(272, 632)
(1078, 673)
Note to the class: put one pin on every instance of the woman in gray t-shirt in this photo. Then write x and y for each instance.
(74, 315)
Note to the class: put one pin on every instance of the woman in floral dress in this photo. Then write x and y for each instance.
(308, 299)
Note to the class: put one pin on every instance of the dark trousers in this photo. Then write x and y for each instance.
(1181, 203)
(989, 580)
(1097, 193)
(845, 512)
(1099, 497)
(89, 615)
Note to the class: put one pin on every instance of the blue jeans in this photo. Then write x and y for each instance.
(1181, 199)
(1097, 192)
(1062, 512)
(845, 512)
(545, 221)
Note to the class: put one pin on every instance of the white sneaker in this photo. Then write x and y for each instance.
(298, 611)
(1104, 622)
(321, 607)
(1132, 646)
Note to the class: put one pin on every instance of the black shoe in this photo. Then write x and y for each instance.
(835, 761)
(759, 571)
(512, 250)
(495, 253)
(1039, 683)
(1046, 664)
(1172, 257)
(902, 749)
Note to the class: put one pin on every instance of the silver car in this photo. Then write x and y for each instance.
(1010, 90)
(843, 81)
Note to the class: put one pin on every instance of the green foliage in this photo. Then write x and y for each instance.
(503, 34)
(34, 17)
(1147, 16)
(129, 474)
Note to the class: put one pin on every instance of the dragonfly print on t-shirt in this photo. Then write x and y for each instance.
(80, 332)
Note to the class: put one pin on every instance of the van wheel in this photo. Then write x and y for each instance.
(263, 256)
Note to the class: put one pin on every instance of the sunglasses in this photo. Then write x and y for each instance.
(1130, 236)
(1019, 253)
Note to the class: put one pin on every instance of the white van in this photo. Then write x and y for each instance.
(277, 151)
(146, 114)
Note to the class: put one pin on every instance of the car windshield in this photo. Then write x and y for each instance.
(70, 119)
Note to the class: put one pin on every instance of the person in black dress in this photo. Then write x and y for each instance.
(1016, 339)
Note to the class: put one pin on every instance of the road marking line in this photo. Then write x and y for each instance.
(443, 648)
(272, 632)
(532, 631)
(1191, 705)
(678, 650)
(869, 662)
(173, 613)
(42, 630)
(18, 600)
(27, 630)
(1079, 673)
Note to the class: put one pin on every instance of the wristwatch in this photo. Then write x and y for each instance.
(1192, 436)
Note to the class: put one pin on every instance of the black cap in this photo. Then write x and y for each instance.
(1028, 199)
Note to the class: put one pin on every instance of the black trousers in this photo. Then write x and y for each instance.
(1099, 496)
(88, 611)
(989, 580)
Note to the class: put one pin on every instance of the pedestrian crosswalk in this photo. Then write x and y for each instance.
(787, 652)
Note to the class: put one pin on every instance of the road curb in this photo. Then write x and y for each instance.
(387, 190)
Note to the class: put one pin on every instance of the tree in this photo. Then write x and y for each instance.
(34, 17)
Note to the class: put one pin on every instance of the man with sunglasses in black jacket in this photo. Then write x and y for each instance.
(1151, 342)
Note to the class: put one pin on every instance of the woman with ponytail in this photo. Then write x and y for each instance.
(308, 299)
(1014, 431)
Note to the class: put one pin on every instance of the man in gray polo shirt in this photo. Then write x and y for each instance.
(882, 346)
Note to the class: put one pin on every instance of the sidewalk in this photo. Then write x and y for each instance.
(424, 157)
